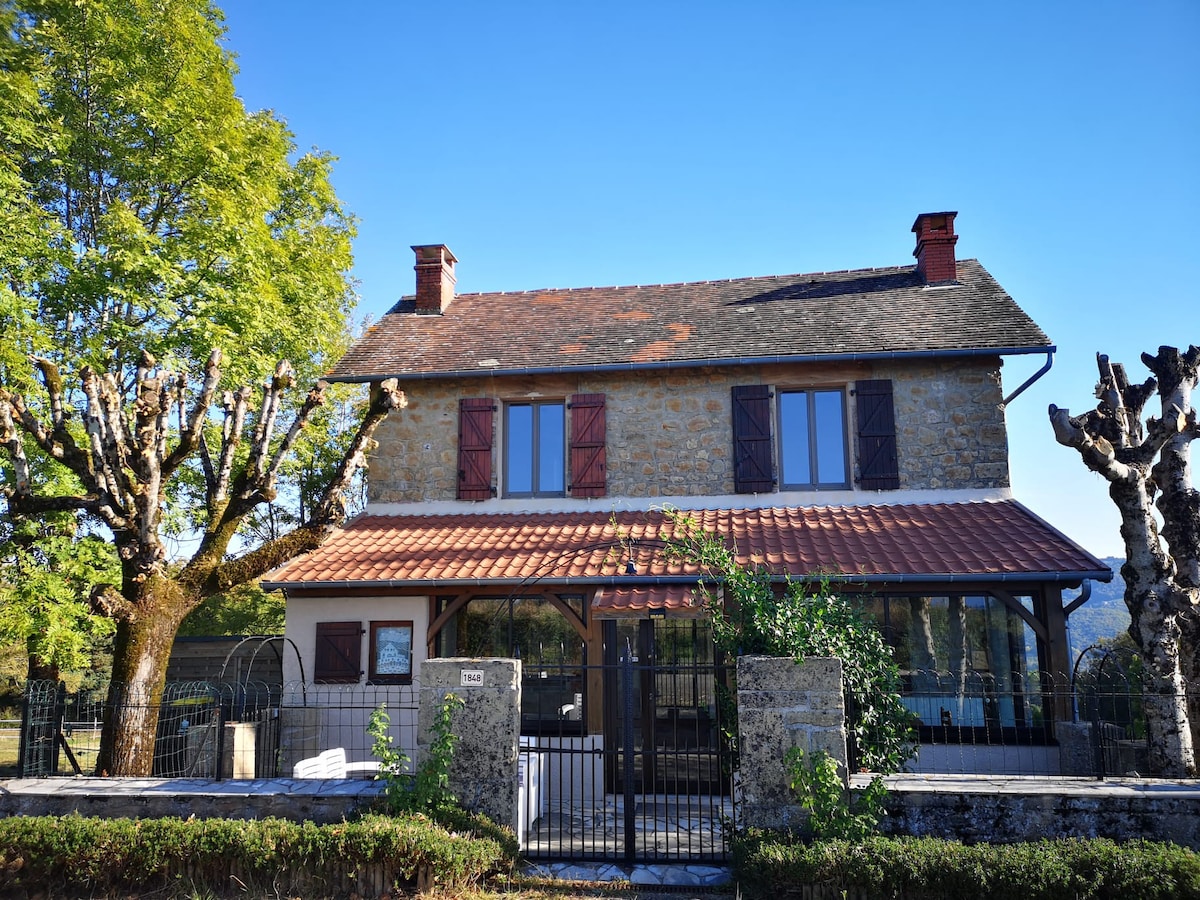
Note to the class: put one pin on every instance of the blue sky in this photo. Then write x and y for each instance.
(568, 144)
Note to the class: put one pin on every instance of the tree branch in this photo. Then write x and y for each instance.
(234, 404)
(189, 438)
(385, 397)
(1097, 451)
(264, 429)
(331, 510)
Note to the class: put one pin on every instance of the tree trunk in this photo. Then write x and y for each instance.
(922, 654)
(1164, 690)
(37, 668)
(141, 651)
(957, 630)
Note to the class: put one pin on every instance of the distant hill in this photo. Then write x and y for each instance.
(1104, 616)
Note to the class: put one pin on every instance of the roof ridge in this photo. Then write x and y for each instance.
(623, 287)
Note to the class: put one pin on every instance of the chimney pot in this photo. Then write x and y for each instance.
(435, 277)
(935, 247)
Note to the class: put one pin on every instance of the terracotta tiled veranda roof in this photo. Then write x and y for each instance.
(865, 313)
(951, 541)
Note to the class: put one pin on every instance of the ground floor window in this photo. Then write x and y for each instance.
(967, 660)
(551, 651)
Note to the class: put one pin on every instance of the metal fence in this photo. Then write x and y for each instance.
(649, 781)
(1090, 722)
(215, 730)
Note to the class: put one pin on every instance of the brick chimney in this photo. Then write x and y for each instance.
(935, 247)
(435, 277)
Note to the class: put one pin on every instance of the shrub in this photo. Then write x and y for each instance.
(370, 855)
(428, 789)
(780, 867)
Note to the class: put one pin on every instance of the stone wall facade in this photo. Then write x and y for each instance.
(669, 433)
(783, 704)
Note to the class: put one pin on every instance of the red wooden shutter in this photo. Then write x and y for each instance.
(338, 659)
(588, 472)
(475, 448)
(753, 472)
(878, 466)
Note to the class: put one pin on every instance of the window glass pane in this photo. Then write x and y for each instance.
(550, 448)
(519, 459)
(966, 660)
(793, 438)
(831, 445)
(550, 649)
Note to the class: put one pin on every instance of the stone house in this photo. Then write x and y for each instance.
(848, 422)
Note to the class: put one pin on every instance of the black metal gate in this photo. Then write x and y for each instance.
(637, 767)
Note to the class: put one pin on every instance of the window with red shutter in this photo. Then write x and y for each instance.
(338, 657)
(878, 464)
(475, 448)
(753, 470)
(588, 468)
(535, 456)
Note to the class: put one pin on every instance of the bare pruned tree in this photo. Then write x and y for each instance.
(125, 456)
(1147, 466)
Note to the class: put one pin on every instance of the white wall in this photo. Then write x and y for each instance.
(303, 614)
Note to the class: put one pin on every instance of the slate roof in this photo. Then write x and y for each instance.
(1000, 540)
(864, 313)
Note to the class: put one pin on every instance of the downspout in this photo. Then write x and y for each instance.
(1030, 380)
(1085, 593)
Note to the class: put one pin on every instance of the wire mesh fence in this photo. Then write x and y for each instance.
(1090, 722)
(212, 730)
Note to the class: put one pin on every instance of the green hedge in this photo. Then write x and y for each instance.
(770, 866)
(367, 856)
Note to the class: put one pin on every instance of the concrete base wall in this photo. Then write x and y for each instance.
(314, 800)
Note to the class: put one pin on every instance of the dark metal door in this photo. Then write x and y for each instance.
(676, 691)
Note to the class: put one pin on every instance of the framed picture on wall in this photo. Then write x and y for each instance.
(391, 653)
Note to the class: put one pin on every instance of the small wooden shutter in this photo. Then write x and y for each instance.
(753, 472)
(878, 465)
(475, 448)
(339, 653)
(588, 471)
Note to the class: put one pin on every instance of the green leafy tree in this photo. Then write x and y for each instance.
(151, 211)
(48, 572)
(146, 220)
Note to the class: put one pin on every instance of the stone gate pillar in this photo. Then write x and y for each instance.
(783, 704)
(483, 773)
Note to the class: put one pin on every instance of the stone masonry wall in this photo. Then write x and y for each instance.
(783, 704)
(950, 430)
(669, 433)
(483, 772)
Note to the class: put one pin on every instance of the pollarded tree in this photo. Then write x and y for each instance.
(1147, 466)
(144, 209)
(126, 459)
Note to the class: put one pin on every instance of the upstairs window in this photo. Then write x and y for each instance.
(812, 439)
(535, 449)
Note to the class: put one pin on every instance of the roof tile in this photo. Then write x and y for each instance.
(970, 540)
(877, 311)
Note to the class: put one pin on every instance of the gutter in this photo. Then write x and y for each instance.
(871, 356)
(642, 580)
